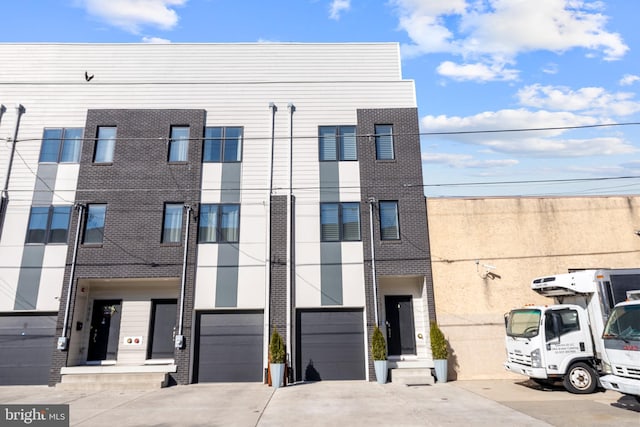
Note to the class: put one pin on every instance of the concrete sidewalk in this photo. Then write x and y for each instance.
(353, 403)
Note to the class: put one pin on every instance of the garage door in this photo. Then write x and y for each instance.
(26, 346)
(229, 347)
(330, 345)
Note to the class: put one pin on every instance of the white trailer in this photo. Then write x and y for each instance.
(621, 339)
(563, 341)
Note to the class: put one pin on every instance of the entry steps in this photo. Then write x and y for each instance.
(124, 378)
(411, 373)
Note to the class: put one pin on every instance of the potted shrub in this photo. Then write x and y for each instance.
(439, 352)
(277, 354)
(379, 354)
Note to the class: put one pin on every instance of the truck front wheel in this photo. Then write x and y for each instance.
(580, 379)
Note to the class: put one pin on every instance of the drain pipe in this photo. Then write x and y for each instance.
(372, 202)
(179, 340)
(267, 311)
(4, 200)
(63, 340)
(292, 249)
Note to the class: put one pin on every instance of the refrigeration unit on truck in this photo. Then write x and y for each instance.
(622, 348)
(563, 341)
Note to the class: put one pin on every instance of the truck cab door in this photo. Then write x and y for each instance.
(566, 338)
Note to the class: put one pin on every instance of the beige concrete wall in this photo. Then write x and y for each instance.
(522, 238)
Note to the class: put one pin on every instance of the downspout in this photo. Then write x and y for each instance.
(291, 250)
(63, 340)
(372, 201)
(267, 305)
(179, 340)
(5, 194)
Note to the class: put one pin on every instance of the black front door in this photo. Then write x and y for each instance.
(400, 330)
(105, 330)
(163, 329)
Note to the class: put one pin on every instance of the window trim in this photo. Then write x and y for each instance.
(61, 145)
(107, 139)
(341, 223)
(46, 240)
(223, 144)
(185, 141)
(378, 138)
(397, 220)
(339, 151)
(163, 239)
(86, 224)
(218, 229)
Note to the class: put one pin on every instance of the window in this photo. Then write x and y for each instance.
(48, 224)
(339, 222)
(389, 222)
(222, 144)
(219, 224)
(105, 145)
(337, 143)
(172, 225)
(384, 142)
(94, 227)
(61, 145)
(179, 144)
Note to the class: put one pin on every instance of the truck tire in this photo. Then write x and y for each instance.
(580, 379)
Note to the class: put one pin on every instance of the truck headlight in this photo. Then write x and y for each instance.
(606, 368)
(536, 361)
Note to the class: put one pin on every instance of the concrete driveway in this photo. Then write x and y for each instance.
(353, 403)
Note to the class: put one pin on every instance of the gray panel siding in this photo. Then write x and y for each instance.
(25, 353)
(329, 182)
(45, 183)
(331, 273)
(29, 278)
(227, 275)
(230, 183)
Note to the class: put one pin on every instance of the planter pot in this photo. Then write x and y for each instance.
(381, 371)
(277, 374)
(441, 370)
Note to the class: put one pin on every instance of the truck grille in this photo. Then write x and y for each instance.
(626, 371)
(519, 358)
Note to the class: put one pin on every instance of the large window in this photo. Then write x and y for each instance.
(389, 222)
(219, 224)
(105, 144)
(337, 143)
(384, 142)
(179, 144)
(94, 227)
(61, 145)
(222, 144)
(172, 225)
(339, 222)
(48, 224)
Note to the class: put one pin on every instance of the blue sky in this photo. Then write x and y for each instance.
(478, 65)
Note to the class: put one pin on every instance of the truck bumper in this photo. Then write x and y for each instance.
(526, 370)
(621, 384)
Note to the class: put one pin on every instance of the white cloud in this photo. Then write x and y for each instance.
(131, 15)
(337, 7)
(155, 40)
(628, 79)
(459, 161)
(497, 31)
(591, 100)
(550, 68)
(549, 143)
(477, 72)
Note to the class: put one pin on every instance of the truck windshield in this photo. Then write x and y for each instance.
(624, 323)
(523, 323)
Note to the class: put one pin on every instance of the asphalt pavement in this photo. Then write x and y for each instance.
(338, 403)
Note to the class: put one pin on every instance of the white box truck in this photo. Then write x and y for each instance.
(563, 341)
(621, 338)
